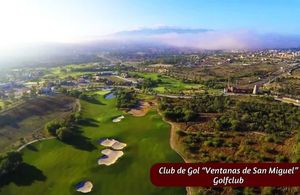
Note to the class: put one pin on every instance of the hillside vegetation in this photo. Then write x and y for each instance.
(25, 122)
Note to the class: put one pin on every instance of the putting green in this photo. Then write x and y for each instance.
(54, 167)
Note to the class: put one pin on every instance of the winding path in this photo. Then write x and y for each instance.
(33, 141)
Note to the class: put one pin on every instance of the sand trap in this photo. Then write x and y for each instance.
(84, 186)
(118, 119)
(141, 110)
(108, 142)
(113, 143)
(109, 157)
(118, 145)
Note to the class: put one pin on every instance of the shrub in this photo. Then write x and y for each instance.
(208, 143)
(268, 191)
(269, 139)
(249, 142)
(281, 158)
(217, 142)
(270, 150)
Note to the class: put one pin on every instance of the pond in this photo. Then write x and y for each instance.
(110, 96)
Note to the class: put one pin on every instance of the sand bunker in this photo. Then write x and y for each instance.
(113, 143)
(84, 186)
(108, 142)
(118, 145)
(109, 157)
(118, 119)
(141, 110)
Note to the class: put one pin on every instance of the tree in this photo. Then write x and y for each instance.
(63, 133)
(126, 98)
(10, 162)
(189, 115)
(51, 127)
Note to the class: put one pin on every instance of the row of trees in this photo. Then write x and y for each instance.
(83, 96)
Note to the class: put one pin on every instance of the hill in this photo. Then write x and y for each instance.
(160, 30)
(27, 119)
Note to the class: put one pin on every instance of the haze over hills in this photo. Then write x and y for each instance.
(159, 31)
(208, 39)
(141, 39)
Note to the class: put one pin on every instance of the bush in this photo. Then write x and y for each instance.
(268, 191)
(280, 158)
(269, 139)
(217, 142)
(249, 142)
(208, 143)
(270, 150)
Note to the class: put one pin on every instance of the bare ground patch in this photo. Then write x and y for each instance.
(142, 109)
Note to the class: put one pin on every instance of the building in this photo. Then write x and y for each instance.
(231, 89)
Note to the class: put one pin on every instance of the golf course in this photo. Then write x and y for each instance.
(55, 167)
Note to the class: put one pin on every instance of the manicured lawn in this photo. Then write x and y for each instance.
(56, 167)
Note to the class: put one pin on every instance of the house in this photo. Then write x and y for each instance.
(231, 89)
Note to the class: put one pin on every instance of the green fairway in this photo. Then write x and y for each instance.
(169, 84)
(55, 167)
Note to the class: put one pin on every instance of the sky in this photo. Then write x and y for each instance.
(70, 20)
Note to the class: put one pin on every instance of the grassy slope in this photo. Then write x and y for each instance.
(63, 165)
